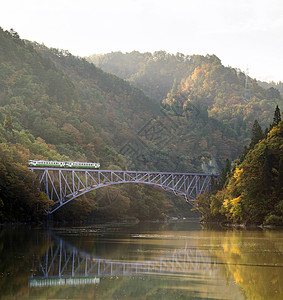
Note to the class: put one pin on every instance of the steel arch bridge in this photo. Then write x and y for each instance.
(63, 185)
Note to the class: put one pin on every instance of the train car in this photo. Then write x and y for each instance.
(63, 164)
(78, 164)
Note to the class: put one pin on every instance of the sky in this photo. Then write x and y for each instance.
(244, 34)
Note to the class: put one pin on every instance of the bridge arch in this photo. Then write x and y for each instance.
(64, 185)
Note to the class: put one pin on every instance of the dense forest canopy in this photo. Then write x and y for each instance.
(157, 73)
(208, 98)
(174, 112)
(251, 192)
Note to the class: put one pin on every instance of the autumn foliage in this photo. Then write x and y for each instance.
(253, 193)
(171, 113)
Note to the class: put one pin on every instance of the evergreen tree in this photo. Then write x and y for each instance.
(257, 134)
(276, 118)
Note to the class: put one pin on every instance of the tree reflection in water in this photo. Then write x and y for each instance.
(156, 262)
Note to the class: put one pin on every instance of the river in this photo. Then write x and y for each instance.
(180, 260)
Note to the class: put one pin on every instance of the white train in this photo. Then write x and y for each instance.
(63, 164)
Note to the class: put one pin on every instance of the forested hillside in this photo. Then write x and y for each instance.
(251, 192)
(154, 73)
(45, 113)
(56, 106)
(199, 80)
(199, 89)
(221, 92)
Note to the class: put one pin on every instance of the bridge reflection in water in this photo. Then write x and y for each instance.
(64, 264)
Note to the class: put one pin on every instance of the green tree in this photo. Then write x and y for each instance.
(257, 134)
(276, 118)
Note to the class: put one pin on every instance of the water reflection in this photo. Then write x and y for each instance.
(63, 264)
(254, 260)
(156, 261)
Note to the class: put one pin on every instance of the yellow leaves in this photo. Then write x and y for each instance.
(225, 203)
(232, 207)
(235, 201)
(237, 173)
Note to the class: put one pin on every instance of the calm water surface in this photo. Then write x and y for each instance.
(141, 261)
